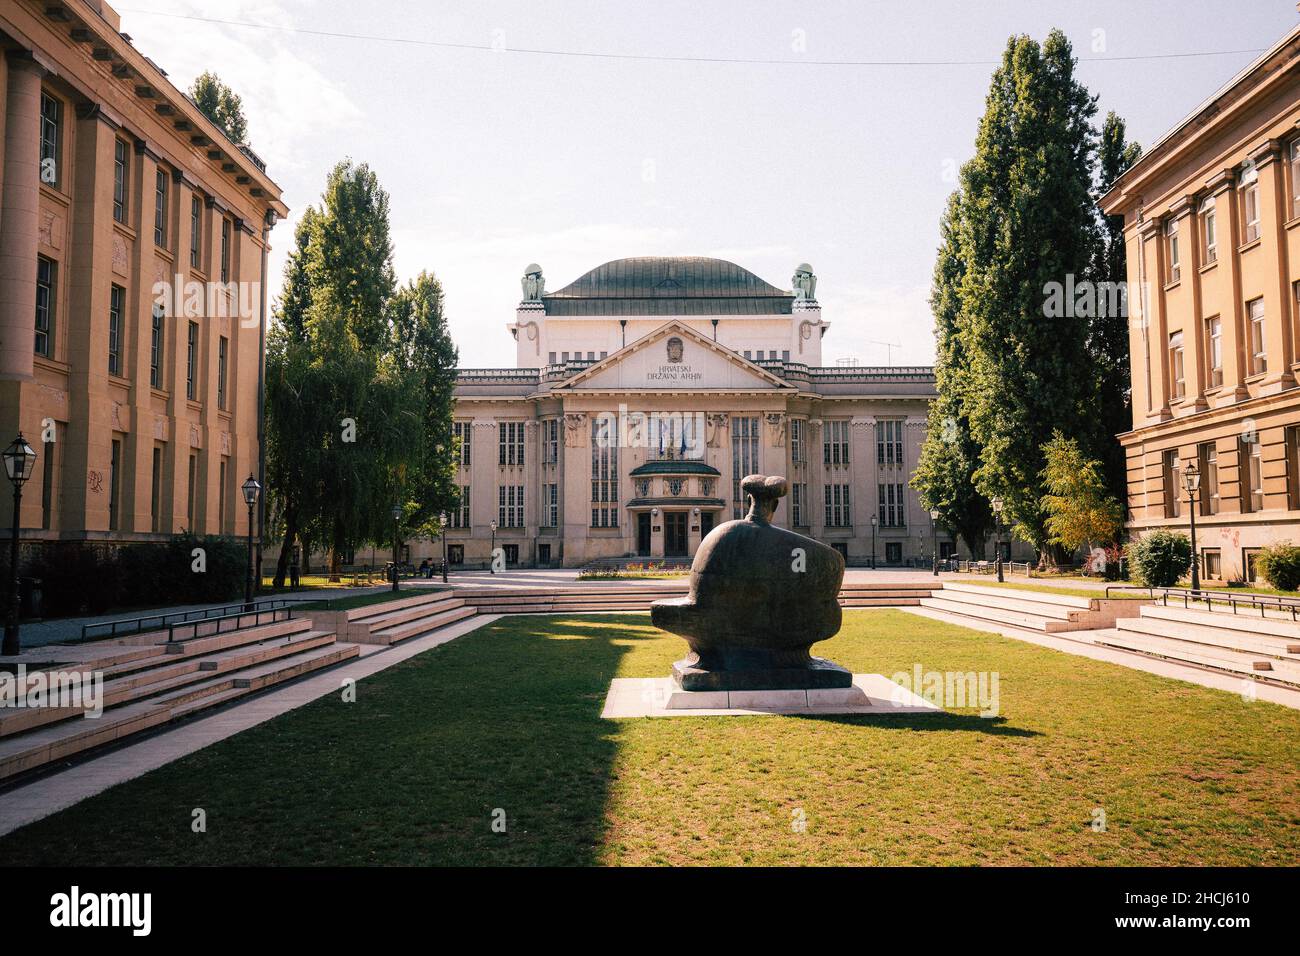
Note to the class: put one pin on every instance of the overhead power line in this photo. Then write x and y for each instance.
(653, 57)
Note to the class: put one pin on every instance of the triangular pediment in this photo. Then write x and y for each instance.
(675, 356)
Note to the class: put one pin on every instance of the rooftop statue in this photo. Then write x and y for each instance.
(533, 284)
(760, 597)
(805, 283)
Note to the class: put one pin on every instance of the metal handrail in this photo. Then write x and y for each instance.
(157, 622)
(1190, 597)
(235, 618)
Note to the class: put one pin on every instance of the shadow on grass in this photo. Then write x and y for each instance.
(994, 726)
(502, 725)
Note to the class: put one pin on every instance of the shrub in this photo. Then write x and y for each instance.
(80, 577)
(1279, 564)
(1159, 558)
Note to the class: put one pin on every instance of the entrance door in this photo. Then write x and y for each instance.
(706, 524)
(675, 534)
(643, 534)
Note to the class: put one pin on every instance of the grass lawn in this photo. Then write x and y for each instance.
(1052, 589)
(508, 717)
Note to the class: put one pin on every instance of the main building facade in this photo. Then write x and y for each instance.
(646, 389)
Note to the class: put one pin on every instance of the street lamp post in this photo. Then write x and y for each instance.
(997, 534)
(492, 555)
(251, 490)
(397, 518)
(1192, 477)
(443, 519)
(934, 525)
(874, 521)
(19, 462)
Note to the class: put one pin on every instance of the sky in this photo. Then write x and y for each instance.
(495, 158)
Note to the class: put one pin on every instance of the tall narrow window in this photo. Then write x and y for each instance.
(51, 134)
(44, 306)
(604, 472)
(116, 301)
(460, 514)
(889, 441)
(192, 362)
(462, 431)
(551, 498)
(1249, 203)
(120, 155)
(1255, 336)
(155, 493)
(196, 230)
(744, 458)
(835, 443)
(797, 426)
(1174, 268)
(223, 347)
(1208, 454)
(1177, 373)
(551, 441)
(156, 347)
(1172, 473)
(191, 484)
(1214, 351)
(114, 469)
(510, 443)
(160, 207)
(225, 249)
(1209, 232)
(798, 497)
(1250, 457)
(221, 497)
(890, 505)
(1294, 164)
(837, 512)
(510, 506)
(47, 478)
(1292, 447)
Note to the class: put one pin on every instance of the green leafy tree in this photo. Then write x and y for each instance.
(1028, 221)
(220, 104)
(945, 473)
(359, 382)
(1080, 509)
(1108, 340)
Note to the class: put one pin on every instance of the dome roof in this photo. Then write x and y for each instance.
(668, 285)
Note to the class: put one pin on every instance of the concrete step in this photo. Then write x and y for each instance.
(58, 741)
(883, 602)
(1219, 658)
(1226, 620)
(380, 622)
(258, 678)
(1069, 601)
(237, 638)
(370, 611)
(403, 630)
(1208, 634)
(1002, 600)
(1033, 622)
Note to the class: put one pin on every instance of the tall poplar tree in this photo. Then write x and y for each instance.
(1028, 221)
(945, 472)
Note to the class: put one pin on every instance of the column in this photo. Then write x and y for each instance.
(18, 224)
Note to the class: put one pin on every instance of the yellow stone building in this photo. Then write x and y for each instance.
(1212, 231)
(646, 389)
(133, 241)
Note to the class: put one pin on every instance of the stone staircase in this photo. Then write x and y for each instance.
(886, 594)
(146, 685)
(1262, 647)
(1032, 610)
